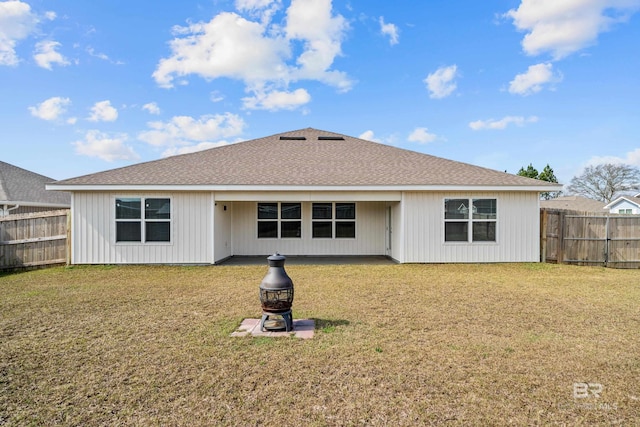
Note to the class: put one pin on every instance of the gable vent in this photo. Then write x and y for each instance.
(293, 138)
(330, 138)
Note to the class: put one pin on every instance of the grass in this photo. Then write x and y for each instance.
(394, 345)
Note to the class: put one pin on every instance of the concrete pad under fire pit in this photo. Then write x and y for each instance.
(303, 328)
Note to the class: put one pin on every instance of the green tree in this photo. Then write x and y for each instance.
(546, 175)
(529, 172)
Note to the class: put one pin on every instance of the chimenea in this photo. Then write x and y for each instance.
(276, 297)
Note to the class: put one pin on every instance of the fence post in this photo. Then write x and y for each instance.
(606, 242)
(543, 235)
(68, 242)
(561, 219)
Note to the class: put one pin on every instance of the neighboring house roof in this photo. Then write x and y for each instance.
(633, 200)
(574, 203)
(307, 158)
(20, 186)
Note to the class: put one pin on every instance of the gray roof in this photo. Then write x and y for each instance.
(306, 157)
(20, 186)
(574, 203)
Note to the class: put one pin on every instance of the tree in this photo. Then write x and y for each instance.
(529, 172)
(604, 182)
(546, 175)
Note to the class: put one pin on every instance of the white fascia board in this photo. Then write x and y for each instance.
(302, 188)
(619, 200)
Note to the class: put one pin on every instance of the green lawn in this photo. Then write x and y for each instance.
(394, 345)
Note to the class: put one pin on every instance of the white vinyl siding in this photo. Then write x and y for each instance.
(94, 230)
(517, 229)
(370, 238)
(223, 212)
(203, 231)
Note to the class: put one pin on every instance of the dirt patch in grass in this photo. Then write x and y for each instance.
(394, 345)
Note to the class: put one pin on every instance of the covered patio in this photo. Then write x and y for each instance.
(312, 260)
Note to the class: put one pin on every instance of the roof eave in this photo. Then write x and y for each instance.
(341, 188)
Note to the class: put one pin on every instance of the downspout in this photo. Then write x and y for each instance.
(6, 209)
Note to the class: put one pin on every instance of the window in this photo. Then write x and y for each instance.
(470, 220)
(333, 220)
(625, 211)
(133, 226)
(282, 217)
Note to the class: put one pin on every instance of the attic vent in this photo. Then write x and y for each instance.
(330, 138)
(292, 138)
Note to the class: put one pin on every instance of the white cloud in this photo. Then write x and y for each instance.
(533, 79)
(151, 108)
(185, 130)
(312, 22)
(261, 54)
(46, 54)
(17, 22)
(264, 9)
(215, 96)
(369, 136)
(564, 27)
(390, 30)
(50, 109)
(422, 136)
(254, 4)
(441, 83)
(277, 100)
(91, 51)
(631, 158)
(106, 147)
(227, 46)
(502, 123)
(103, 112)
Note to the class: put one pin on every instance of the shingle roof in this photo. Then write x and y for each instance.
(19, 185)
(574, 203)
(307, 157)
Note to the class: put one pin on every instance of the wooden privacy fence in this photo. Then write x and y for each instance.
(580, 238)
(35, 239)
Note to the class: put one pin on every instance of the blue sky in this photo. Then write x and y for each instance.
(88, 86)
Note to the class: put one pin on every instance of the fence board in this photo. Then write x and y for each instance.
(591, 239)
(34, 239)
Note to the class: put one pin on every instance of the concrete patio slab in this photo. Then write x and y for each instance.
(311, 260)
(302, 328)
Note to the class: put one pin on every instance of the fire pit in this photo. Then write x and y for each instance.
(276, 297)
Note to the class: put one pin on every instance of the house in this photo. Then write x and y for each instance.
(304, 192)
(574, 203)
(625, 205)
(22, 191)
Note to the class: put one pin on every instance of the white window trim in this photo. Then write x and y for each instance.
(142, 220)
(470, 222)
(335, 220)
(279, 221)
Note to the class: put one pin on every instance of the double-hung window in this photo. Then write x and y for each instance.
(283, 220)
(333, 220)
(140, 219)
(470, 220)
